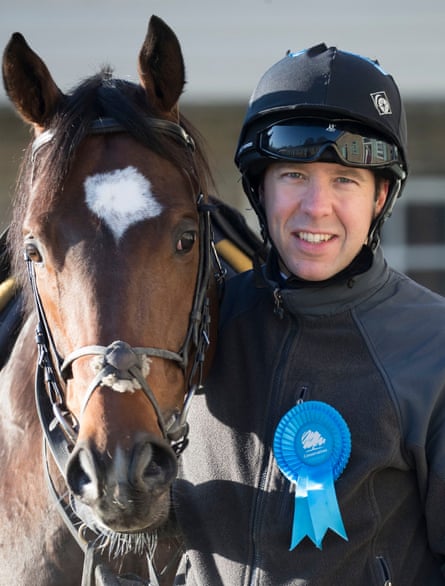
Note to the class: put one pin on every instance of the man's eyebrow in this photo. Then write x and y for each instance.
(354, 172)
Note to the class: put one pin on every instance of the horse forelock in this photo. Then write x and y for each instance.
(100, 96)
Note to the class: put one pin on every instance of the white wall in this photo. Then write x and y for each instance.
(229, 43)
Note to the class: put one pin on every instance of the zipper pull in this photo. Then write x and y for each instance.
(278, 301)
(301, 393)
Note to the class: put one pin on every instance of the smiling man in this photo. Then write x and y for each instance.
(319, 214)
(317, 451)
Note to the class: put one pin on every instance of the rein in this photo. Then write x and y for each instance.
(60, 426)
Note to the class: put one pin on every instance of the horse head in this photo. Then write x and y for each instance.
(113, 222)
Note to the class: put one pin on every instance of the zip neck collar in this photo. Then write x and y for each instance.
(345, 290)
(361, 263)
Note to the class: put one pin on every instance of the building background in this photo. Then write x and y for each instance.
(227, 46)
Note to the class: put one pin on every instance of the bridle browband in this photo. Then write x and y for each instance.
(118, 359)
(108, 125)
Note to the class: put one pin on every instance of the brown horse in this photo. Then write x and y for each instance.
(111, 217)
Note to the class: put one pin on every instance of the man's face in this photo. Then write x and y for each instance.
(319, 214)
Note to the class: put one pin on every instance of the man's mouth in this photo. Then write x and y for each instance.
(314, 238)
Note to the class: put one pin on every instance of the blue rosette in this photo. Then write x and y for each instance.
(312, 445)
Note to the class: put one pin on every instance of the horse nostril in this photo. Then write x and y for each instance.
(81, 475)
(152, 469)
(153, 465)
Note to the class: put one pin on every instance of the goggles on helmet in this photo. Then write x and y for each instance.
(305, 142)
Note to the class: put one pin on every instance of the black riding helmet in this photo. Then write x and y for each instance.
(325, 104)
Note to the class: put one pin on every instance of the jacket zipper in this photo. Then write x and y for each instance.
(301, 393)
(385, 570)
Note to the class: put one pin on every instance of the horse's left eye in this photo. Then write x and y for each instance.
(186, 242)
(32, 252)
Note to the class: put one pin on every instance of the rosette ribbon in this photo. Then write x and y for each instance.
(312, 445)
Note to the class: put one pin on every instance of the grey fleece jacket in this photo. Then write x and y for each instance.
(372, 347)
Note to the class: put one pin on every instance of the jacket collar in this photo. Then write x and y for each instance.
(336, 295)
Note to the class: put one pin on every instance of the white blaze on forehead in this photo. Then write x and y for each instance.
(121, 198)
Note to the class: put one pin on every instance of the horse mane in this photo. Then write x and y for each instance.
(99, 96)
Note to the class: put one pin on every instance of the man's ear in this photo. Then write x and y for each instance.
(381, 197)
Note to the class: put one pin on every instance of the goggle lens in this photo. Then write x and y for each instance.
(300, 142)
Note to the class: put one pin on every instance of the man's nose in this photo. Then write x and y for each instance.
(316, 200)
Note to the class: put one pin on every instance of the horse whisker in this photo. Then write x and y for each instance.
(122, 544)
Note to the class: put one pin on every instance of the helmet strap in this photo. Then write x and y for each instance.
(373, 240)
(252, 194)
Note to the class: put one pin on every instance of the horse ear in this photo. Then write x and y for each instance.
(161, 66)
(28, 83)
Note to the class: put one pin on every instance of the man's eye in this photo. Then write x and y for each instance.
(293, 175)
(186, 242)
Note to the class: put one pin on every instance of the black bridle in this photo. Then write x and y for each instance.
(59, 425)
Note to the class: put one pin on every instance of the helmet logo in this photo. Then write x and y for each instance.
(381, 103)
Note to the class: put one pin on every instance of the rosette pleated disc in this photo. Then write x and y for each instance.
(312, 434)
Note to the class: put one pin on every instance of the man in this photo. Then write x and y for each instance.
(317, 450)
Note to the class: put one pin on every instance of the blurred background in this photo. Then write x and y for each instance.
(227, 45)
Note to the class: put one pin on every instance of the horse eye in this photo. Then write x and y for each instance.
(32, 252)
(186, 242)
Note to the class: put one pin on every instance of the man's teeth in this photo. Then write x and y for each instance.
(310, 237)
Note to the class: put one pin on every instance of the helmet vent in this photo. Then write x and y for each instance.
(317, 50)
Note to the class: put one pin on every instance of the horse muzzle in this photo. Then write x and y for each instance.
(126, 491)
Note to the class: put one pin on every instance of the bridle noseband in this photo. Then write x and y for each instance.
(118, 359)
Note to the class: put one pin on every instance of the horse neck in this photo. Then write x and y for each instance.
(19, 419)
